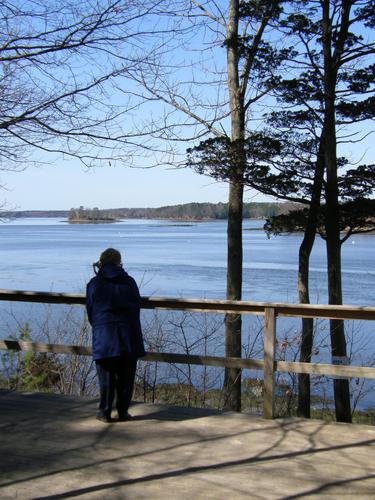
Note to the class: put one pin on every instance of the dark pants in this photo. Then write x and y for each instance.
(116, 376)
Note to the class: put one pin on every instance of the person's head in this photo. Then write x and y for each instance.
(110, 256)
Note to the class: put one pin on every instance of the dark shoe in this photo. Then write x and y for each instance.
(124, 417)
(103, 418)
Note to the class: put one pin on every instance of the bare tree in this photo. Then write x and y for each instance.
(58, 60)
(204, 94)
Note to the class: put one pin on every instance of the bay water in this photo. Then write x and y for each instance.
(176, 259)
(181, 259)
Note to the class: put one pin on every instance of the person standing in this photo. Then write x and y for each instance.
(113, 310)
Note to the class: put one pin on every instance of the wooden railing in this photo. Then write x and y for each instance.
(270, 311)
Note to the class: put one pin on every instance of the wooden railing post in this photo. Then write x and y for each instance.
(269, 362)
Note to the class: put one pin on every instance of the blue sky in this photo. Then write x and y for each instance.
(63, 185)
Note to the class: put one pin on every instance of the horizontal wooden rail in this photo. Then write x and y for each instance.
(325, 369)
(166, 357)
(206, 305)
(21, 345)
(169, 357)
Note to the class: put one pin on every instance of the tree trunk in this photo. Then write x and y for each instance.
(303, 409)
(304, 399)
(233, 343)
(337, 332)
(332, 226)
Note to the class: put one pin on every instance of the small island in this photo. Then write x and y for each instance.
(83, 215)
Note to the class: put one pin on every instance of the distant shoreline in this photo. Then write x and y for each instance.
(183, 220)
(188, 212)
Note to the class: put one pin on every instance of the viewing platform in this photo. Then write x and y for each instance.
(53, 447)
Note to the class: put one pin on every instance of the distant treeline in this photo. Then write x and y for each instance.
(187, 211)
(201, 211)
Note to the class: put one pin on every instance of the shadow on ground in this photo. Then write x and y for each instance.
(53, 447)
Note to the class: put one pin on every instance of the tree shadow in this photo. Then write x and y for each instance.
(219, 466)
(219, 429)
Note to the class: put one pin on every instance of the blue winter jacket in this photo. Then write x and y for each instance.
(113, 309)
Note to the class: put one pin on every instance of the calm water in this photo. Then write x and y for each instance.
(170, 259)
(183, 260)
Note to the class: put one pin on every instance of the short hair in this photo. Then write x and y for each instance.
(110, 256)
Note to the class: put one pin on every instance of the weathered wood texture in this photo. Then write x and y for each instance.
(269, 362)
(166, 357)
(169, 357)
(206, 305)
